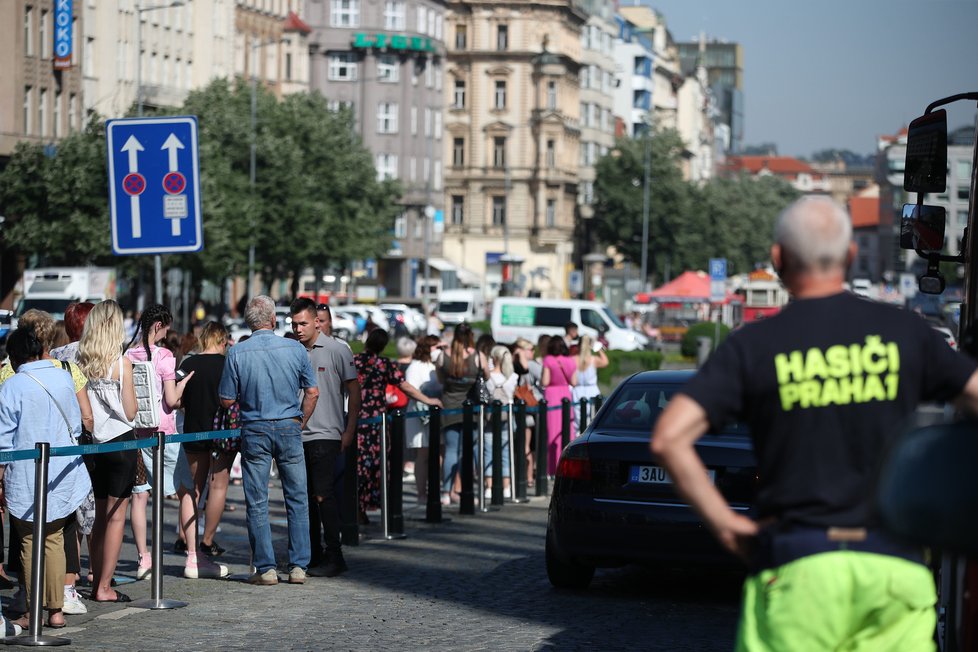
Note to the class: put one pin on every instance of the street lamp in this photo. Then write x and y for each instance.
(645, 210)
(252, 163)
(140, 9)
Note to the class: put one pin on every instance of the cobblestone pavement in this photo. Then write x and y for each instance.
(470, 583)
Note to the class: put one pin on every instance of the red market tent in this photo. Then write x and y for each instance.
(688, 287)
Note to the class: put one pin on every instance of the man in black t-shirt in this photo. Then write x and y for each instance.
(825, 386)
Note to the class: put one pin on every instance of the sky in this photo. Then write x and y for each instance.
(837, 74)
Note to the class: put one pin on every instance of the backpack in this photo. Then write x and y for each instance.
(148, 401)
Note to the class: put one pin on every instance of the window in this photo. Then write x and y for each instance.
(551, 317)
(338, 105)
(437, 180)
(431, 22)
(585, 76)
(395, 16)
(551, 212)
(42, 112)
(552, 95)
(502, 37)
(28, 92)
(46, 37)
(345, 13)
(439, 27)
(88, 58)
(458, 152)
(387, 118)
(342, 67)
(413, 169)
(388, 68)
(963, 193)
(499, 152)
(386, 166)
(414, 121)
(551, 154)
(962, 218)
(584, 114)
(400, 226)
(460, 37)
(587, 192)
(429, 76)
(58, 129)
(499, 101)
(438, 76)
(963, 169)
(288, 67)
(459, 98)
(498, 211)
(422, 19)
(427, 123)
(72, 112)
(437, 124)
(29, 31)
(458, 209)
(426, 170)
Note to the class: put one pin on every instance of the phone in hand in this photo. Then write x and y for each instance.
(181, 374)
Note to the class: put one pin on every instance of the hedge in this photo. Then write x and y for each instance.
(706, 329)
(625, 363)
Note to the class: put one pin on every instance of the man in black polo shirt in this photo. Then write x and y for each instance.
(825, 386)
(329, 431)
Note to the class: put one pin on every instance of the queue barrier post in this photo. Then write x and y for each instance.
(518, 451)
(543, 436)
(349, 506)
(394, 507)
(565, 422)
(156, 599)
(34, 637)
(433, 506)
(583, 416)
(497, 453)
(480, 456)
(465, 464)
(598, 400)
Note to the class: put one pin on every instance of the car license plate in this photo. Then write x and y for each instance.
(657, 475)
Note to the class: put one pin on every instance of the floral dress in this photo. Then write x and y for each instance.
(374, 373)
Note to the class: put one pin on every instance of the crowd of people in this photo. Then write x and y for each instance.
(299, 403)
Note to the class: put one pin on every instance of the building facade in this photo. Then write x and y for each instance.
(41, 83)
(512, 143)
(724, 64)
(634, 60)
(385, 61)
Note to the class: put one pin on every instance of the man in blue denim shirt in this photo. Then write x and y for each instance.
(265, 375)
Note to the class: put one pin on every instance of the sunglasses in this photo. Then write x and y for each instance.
(323, 306)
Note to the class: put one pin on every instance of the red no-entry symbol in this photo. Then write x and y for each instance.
(134, 183)
(174, 183)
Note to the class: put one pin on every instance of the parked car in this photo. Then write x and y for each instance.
(365, 312)
(515, 317)
(948, 336)
(344, 327)
(613, 504)
(404, 320)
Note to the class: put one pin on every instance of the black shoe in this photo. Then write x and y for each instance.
(331, 568)
(179, 546)
(213, 550)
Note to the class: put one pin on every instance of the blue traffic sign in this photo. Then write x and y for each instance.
(718, 269)
(154, 185)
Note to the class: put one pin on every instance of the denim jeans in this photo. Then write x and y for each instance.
(504, 435)
(281, 440)
(452, 439)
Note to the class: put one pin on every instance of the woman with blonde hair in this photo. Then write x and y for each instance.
(113, 399)
(590, 358)
(502, 384)
(203, 413)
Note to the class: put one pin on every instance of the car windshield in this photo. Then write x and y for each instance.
(56, 307)
(453, 306)
(612, 317)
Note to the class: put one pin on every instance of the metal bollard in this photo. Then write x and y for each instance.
(565, 422)
(597, 403)
(33, 637)
(349, 505)
(393, 476)
(497, 453)
(466, 499)
(481, 457)
(510, 421)
(583, 416)
(433, 506)
(517, 450)
(543, 435)
(156, 600)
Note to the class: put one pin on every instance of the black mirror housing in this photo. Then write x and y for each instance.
(926, 161)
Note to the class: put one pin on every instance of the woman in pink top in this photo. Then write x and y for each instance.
(559, 376)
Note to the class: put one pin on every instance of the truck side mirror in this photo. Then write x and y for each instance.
(922, 228)
(927, 492)
(926, 161)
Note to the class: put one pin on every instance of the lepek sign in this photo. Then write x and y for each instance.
(63, 19)
(382, 41)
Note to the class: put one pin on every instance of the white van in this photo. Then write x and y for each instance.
(514, 317)
(456, 306)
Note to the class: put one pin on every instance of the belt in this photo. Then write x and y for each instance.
(776, 546)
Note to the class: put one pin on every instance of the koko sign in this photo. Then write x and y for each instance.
(62, 34)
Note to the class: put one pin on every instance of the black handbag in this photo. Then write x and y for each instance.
(479, 392)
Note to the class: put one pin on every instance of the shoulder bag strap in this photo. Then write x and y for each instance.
(64, 416)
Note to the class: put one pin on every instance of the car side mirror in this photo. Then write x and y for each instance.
(927, 492)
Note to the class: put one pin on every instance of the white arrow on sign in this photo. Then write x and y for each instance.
(173, 144)
(133, 147)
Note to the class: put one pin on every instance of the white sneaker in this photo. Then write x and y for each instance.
(18, 604)
(507, 492)
(205, 569)
(73, 605)
(8, 629)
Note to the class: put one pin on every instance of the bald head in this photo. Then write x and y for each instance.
(814, 233)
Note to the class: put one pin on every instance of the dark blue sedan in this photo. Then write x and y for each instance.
(613, 504)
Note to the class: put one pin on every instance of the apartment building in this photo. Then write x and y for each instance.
(512, 143)
(40, 72)
(724, 64)
(385, 61)
(634, 59)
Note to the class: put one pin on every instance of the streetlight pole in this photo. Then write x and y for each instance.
(253, 161)
(645, 210)
(157, 259)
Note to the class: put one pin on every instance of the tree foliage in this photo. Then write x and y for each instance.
(688, 223)
(316, 201)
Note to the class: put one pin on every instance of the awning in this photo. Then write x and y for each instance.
(464, 276)
(441, 264)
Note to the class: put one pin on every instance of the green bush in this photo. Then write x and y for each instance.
(626, 363)
(702, 329)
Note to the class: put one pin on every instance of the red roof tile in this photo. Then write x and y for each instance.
(865, 211)
(295, 24)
